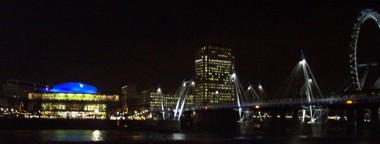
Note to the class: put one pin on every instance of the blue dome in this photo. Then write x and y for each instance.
(73, 87)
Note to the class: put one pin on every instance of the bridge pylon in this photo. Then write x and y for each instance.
(246, 98)
(186, 88)
(302, 86)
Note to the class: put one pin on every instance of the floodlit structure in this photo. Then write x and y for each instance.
(302, 86)
(185, 97)
(357, 83)
(71, 100)
(213, 69)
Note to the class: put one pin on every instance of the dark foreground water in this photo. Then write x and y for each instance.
(114, 136)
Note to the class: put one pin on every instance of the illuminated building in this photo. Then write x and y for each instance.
(155, 100)
(213, 69)
(72, 100)
(170, 101)
(151, 99)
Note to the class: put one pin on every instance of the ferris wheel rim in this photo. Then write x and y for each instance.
(363, 16)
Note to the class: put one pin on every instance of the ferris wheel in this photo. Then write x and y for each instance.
(363, 16)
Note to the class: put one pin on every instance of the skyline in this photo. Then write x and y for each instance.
(110, 44)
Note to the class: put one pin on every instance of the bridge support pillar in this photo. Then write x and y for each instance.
(355, 119)
(274, 121)
(350, 114)
(282, 123)
(273, 114)
(295, 115)
(374, 118)
(359, 119)
(282, 115)
(187, 121)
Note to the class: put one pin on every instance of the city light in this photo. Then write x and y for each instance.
(303, 61)
(216, 98)
(233, 75)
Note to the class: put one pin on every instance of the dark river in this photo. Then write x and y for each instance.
(114, 136)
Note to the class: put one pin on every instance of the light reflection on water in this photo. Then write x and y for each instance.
(36, 136)
(97, 136)
(178, 136)
(89, 136)
(69, 135)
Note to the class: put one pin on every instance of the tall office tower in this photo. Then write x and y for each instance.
(213, 70)
(129, 97)
(124, 96)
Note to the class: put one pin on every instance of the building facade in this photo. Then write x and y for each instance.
(129, 98)
(213, 70)
(153, 100)
(15, 92)
(72, 100)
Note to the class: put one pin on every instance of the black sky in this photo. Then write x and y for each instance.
(110, 43)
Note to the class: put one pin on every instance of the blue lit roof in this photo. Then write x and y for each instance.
(72, 87)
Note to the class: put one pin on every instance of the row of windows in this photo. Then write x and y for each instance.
(219, 61)
(227, 87)
(213, 89)
(214, 85)
(73, 97)
(213, 61)
(220, 68)
(76, 107)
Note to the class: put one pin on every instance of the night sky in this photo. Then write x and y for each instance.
(110, 43)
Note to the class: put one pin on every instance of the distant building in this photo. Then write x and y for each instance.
(156, 98)
(124, 95)
(213, 70)
(170, 101)
(150, 99)
(16, 92)
(129, 97)
(153, 99)
(72, 100)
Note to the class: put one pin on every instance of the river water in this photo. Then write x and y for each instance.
(111, 136)
(115, 136)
